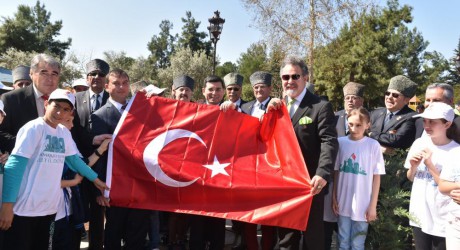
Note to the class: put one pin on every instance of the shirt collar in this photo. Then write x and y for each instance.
(299, 98)
(116, 104)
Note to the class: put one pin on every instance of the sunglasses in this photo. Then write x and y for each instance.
(234, 89)
(93, 74)
(394, 95)
(293, 77)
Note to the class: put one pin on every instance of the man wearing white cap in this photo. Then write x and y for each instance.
(33, 174)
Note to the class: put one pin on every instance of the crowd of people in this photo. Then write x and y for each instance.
(50, 139)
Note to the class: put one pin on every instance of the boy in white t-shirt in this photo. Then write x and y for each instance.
(358, 168)
(425, 161)
(32, 178)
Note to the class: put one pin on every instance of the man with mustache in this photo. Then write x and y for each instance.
(182, 88)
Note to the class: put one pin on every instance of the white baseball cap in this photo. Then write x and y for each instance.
(79, 82)
(438, 110)
(1, 108)
(62, 94)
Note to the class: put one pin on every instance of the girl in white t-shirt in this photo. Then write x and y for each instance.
(428, 156)
(358, 168)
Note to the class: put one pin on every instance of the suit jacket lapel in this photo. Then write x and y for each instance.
(105, 97)
(86, 104)
(31, 99)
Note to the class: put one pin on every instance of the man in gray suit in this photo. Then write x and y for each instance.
(85, 104)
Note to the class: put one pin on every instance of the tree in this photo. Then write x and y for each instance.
(453, 76)
(31, 30)
(161, 47)
(185, 61)
(304, 24)
(118, 60)
(375, 47)
(224, 69)
(191, 38)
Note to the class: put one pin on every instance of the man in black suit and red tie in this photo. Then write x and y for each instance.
(393, 126)
(25, 104)
(314, 126)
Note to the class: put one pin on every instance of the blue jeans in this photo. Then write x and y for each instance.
(352, 234)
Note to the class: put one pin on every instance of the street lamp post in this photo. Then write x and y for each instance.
(216, 24)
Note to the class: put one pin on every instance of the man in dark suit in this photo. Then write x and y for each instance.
(318, 142)
(25, 104)
(262, 86)
(234, 88)
(440, 92)
(85, 104)
(393, 126)
(353, 94)
(127, 223)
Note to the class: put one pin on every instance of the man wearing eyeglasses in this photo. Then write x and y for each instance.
(234, 83)
(393, 126)
(317, 138)
(86, 103)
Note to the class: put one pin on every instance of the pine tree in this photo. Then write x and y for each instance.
(31, 30)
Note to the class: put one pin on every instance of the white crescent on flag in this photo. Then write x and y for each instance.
(154, 148)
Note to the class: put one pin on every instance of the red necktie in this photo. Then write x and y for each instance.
(45, 98)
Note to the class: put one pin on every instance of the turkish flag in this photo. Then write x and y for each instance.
(193, 158)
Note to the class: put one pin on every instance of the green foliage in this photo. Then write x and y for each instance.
(373, 48)
(191, 38)
(162, 46)
(31, 30)
(137, 69)
(392, 230)
(227, 67)
(185, 61)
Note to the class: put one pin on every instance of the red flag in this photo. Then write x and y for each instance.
(192, 158)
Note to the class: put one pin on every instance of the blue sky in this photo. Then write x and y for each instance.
(96, 26)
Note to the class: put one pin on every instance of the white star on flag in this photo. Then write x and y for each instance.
(217, 167)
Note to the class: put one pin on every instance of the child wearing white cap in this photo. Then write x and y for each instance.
(428, 156)
(32, 177)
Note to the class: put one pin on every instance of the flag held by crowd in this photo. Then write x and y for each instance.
(192, 158)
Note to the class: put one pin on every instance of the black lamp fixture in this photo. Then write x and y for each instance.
(216, 24)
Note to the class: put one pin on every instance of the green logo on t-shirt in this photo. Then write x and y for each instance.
(54, 144)
(350, 166)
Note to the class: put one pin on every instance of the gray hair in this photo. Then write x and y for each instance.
(51, 61)
(296, 61)
(448, 90)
